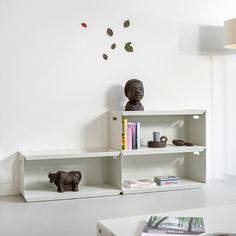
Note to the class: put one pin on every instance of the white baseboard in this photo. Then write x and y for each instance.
(9, 189)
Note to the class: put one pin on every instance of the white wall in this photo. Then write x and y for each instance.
(224, 110)
(55, 88)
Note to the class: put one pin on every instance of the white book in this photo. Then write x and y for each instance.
(139, 183)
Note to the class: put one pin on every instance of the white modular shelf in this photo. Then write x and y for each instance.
(104, 169)
(183, 184)
(161, 113)
(186, 162)
(86, 191)
(100, 168)
(166, 150)
(187, 125)
(63, 154)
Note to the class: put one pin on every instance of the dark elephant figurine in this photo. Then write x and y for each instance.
(66, 181)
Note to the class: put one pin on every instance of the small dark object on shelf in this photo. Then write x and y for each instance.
(179, 142)
(134, 91)
(189, 144)
(65, 181)
(162, 143)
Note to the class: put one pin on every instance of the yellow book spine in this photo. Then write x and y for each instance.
(124, 133)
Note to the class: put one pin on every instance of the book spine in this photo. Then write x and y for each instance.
(160, 178)
(134, 136)
(176, 179)
(122, 136)
(124, 130)
(165, 183)
(138, 135)
(129, 136)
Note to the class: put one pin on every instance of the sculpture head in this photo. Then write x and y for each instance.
(52, 177)
(134, 90)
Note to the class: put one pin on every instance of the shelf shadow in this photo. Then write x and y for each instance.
(115, 98)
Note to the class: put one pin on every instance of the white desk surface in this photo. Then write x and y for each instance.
(217, 219)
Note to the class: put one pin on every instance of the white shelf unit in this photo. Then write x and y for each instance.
(105, 169)
(189, 163)
(100, 169)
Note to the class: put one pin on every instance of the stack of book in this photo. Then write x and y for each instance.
(166, 180)
(130, 135)
(141, 183)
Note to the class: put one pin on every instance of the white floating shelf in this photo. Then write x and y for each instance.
(85, 191)
(184, 184)
(168, 149)
(162, 113)
(64, 154)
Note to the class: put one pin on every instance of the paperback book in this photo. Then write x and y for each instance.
(166, 180)
(157, 225)
(130, 135)
(124, 134)
(141, 183)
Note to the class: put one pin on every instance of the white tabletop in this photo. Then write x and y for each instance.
(217, 219)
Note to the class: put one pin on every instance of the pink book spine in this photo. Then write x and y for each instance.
(134, 136)
(129, 136)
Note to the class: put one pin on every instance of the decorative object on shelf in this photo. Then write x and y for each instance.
(189, 144)
(156, 136)
(134, 91)
(179, 142)
(66, 181)
(230, 34)
(162, 143)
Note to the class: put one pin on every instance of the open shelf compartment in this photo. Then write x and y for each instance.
(189, 167)
(187, 125)
(101, 175)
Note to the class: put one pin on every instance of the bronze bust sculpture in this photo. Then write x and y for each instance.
(134, 91)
